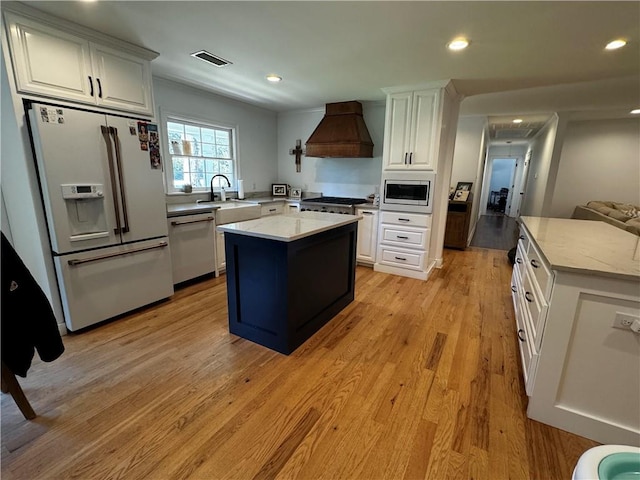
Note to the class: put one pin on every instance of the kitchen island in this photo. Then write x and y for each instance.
(288, 275)
(576, 294)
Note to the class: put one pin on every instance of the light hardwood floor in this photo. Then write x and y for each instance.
(412, 380)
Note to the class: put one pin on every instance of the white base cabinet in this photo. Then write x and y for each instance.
(367, 236)
(403, 244)
(193, 243)
(581, 374)
(221, 259)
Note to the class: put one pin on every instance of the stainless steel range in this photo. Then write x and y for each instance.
(342, 205)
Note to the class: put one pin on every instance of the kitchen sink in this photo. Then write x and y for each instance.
(234, 211)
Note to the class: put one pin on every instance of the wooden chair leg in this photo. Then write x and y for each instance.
(10, 385)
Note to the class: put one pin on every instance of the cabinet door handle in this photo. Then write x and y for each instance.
(99, 88)
(410, 157)
(402, 237)
(514, 289)
(521, 237)
(534, 264)
(404, 219)
(519, 260)
(401, 258)
(405, 157)
(521, 331)
(527, 296)
(366, 213)
(91, 85)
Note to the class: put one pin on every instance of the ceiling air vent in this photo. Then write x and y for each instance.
(513, 133)
(210, 58)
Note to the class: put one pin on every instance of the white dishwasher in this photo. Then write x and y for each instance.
(192, 239)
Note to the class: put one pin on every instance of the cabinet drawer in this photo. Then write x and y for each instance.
(521, 261)
(536, 309)
(540, 270)
(528, 355)
(410, 219)
(416, 238)
(271, 209)
(523, 240)
(397, 257)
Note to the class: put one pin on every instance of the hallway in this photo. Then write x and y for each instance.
(495, 231)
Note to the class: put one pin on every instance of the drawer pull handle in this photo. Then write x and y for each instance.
(402, 238)
(401, 258)
(527, 297)
(518, 260)
(366, 213)
(521, 331)
(514, 289)
(534, 264)
(272, 209)
(404, 219)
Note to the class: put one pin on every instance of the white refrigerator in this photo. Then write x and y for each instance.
(104, 201)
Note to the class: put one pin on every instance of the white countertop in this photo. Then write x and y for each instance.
(290, 227)
(586, 246)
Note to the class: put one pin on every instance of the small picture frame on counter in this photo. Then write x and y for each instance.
(279, 189)
(295, 192)
(465, 186)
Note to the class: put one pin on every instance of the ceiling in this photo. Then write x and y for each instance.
(525, 57)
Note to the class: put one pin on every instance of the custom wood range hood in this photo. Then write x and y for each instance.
(342, 133)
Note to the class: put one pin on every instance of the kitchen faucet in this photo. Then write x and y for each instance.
(217, 175)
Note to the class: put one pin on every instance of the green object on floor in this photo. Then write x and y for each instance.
(620, 466)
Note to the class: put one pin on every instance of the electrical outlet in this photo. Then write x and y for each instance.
(624, 320)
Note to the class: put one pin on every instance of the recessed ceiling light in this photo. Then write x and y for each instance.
(274, 78)
(635, 112)
(517, 120)
(458, 44)
(615, 44)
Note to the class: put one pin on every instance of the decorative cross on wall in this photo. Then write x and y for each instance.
(298, 152)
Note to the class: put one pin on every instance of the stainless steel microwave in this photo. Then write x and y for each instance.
(408, 191)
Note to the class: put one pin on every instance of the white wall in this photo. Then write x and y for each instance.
(256, 127)
(468, 156)
(540, 168)
(467, 150)
(348, 177)
(600, 160)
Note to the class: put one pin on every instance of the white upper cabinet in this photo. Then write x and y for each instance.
(411, 130)
(56, 63)
(123, 81)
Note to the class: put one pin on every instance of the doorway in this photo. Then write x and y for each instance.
(500, 201)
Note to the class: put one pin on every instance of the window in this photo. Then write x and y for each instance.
(198, 152)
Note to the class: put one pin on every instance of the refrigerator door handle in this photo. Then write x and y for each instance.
(73, 263)
(112, 175)
(123, 199)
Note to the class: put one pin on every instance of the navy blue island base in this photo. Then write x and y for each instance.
(281, 293)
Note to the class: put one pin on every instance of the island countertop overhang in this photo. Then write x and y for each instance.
(586, 246)
(289, 227)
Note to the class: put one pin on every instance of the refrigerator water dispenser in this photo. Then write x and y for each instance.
(85, 211)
